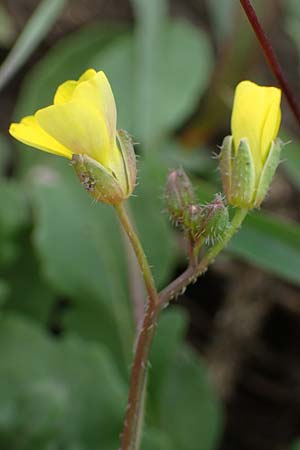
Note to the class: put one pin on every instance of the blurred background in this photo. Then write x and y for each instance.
(226, 362)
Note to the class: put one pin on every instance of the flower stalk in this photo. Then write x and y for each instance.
(271, 57)
(133, 421)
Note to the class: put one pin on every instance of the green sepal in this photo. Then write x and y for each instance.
(129, 159)
(97, 180)
(243, 177)
(216, 219)
(225, 164)
(268, 171)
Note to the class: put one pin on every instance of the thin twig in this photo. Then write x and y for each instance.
(271, 57)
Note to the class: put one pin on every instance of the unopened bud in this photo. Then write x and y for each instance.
(179, 195)
(193, 221)
(215, 220)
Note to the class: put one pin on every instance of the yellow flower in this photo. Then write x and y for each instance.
(256, 116)
(250, 156)
(81, 126)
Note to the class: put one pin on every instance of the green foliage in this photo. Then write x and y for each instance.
(291, 161)
(147, 90)
(13, 218)
(35, 30)
(58, 247)
(270, 243)
(64, 394)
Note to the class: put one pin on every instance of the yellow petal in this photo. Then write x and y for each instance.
(89, 74)
(97, 92)
(30, 133)
(79, 127)
(256, 116)
(64, 92)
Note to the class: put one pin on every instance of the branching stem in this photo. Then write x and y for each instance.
(133, 421)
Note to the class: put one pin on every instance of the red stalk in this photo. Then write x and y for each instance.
(271, 57)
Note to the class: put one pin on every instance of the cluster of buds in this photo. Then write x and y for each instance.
(198, 222)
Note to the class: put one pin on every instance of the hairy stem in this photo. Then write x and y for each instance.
(193, 272)
(133, 421)
(271, 57)
(139, 252)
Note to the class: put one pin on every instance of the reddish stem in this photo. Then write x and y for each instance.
(271, 57)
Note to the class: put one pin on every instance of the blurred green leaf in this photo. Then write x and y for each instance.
(291, 161)
(7, 28)
(156, 439)
(5, 154)
(56, 394)
(82, 251)
(171, 327)
(28, 294)
(270, 243)
(149, 102)
(222, 16)
(80, 248)
(189, 410)
(13, 218)
(35, 30)
(4, 292)
(292, 21)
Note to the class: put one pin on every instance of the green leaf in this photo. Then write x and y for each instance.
(35, 30)
(150, 104)
(171, 327)
(28, 293)
(270, 243)
(291, 161)
(222, 15)
(190, 412)
(81, 250)
(56, 394)
(5, 154)
(154, 438)
(13, 218)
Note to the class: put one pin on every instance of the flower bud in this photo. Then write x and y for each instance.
(244, 186)
(192, 221)
(249, 158)
(179, 195)
(215, 219)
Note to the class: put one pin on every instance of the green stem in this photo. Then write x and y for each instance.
(193, 272)
(138, 249)
(133, 421)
